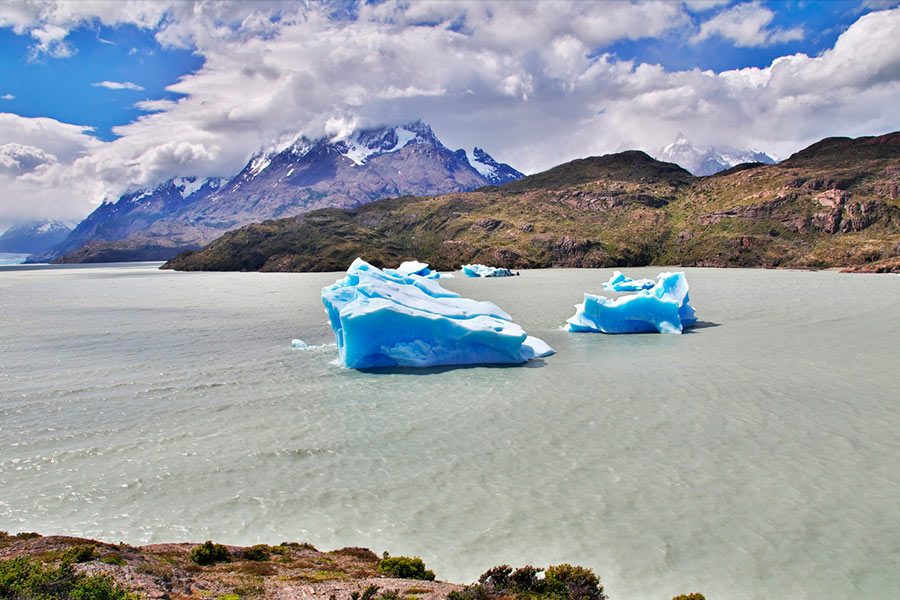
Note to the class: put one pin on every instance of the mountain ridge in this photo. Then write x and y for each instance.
(304, 175)
(836, 205)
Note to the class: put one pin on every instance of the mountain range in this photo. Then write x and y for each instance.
(833, 204)
(708, 160)
(186, 213)
(34, 237)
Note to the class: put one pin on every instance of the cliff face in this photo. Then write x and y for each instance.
(307, 175)
(835, 204)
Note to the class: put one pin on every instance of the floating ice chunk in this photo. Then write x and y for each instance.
(299, 344)
(414, 267)
(663, 308)
(483, 271)
(386, 319)
(619, 282)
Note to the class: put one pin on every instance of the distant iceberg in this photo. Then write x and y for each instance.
(620, 282)
(483, 271)
(663, 308)
(414, 267)
(387, 319)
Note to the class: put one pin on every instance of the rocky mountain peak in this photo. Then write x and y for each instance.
(707, 160)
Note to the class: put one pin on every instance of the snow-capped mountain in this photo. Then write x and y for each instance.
(707, 160)
(370, 164)
(37, 236)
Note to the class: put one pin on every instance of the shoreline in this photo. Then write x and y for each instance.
(59, 566)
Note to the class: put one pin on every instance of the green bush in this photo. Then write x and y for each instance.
(24, 577)
(99, 587)
(581, 583)
(561, 582)
(208, 553)
(112, 559)
(78, 554)
(258, 553)
(404, 567)
(694, 596)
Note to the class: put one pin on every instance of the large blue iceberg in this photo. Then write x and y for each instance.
(619, 282)
(663, 308)
(484, 271)
(414, 267)
(387, 319)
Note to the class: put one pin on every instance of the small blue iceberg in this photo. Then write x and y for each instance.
(663, 308)
(620, 282)
(387, 319)
(414, 267)
(484, 271)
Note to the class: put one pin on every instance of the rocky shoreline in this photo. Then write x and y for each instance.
(288, 571)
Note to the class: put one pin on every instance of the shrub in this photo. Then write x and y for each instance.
(78, 554)
(367, 594)
(24, 577)
(113, 559)
(404, 567)
(694, 596)
(259, 553)
(581, 583)
(357, 552)
(471, 592)
(496, 578)
(208, 553)
(525, 580)
(299, 546)
(99, 587)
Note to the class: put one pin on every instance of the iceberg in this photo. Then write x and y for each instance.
(663, 308)
(414, 267)
(387, 319)
(484, 271)
(619, 282)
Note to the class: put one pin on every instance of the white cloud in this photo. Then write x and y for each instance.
(51, 41)
(7, 97)
(747, 25)
(16, 159)
(521, 80)
(35, 176)
(118, 85)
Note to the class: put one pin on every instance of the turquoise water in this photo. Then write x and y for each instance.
(757, 457)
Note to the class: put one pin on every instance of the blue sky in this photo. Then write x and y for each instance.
(97, 99)
(65, 88)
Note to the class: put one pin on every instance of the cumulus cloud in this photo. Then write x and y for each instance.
(16, 159)
(118, 85)
(35, 176)
(747, 25)
(527, 81)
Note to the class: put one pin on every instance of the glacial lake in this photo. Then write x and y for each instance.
(756, 457)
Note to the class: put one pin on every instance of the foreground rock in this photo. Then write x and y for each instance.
(387, 319)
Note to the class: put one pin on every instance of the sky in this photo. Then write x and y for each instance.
(100, 98)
